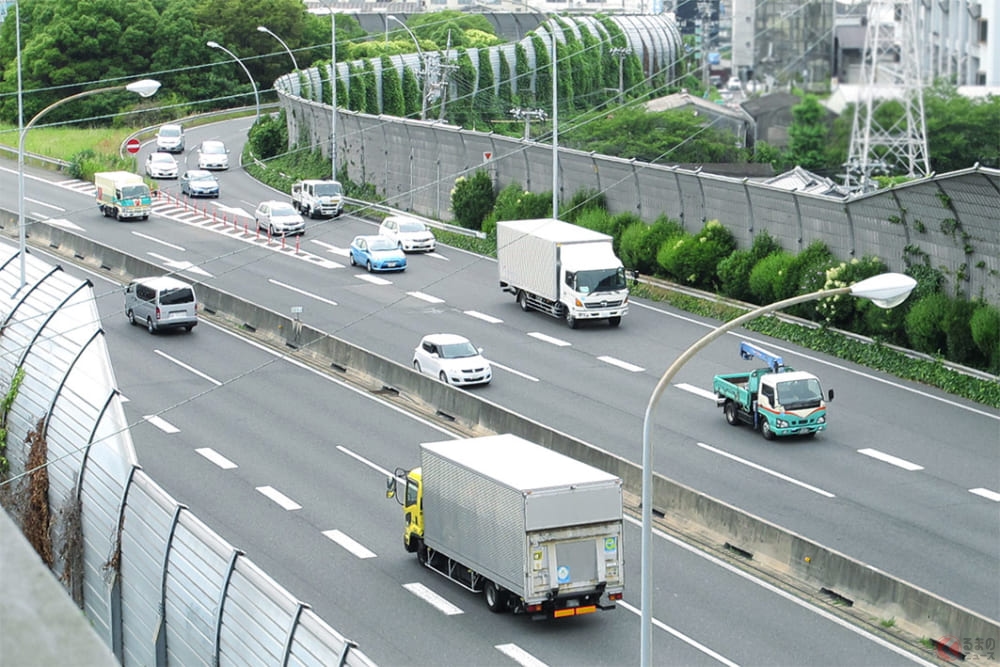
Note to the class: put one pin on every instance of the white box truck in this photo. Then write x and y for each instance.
(314, 198)
(562, 270)
(535, 531)
(122, 195)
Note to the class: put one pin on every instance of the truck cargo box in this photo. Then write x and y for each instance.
(513, 510)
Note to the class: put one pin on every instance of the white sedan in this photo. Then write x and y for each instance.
(409, 234)
(451, 359)
(213, 155)
(278, 218)
(161, 165)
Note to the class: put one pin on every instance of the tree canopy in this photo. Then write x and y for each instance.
(68, 46)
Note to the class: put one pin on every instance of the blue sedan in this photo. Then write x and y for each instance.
(377, 253)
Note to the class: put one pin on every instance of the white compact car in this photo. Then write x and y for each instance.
(409, 235)
(279, 218)
(213, 155)
(161, 165)
(452, 359)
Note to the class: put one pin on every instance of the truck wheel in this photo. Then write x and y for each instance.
(496, 597)
(570, 320)
(421, 553)
(729, 410)
(615, 321)
(131, 317)
(522, 300)
(765, 430)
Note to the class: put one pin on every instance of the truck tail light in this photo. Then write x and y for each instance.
(533, 608)
(614, 596)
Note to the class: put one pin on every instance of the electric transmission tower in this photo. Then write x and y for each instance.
(887, 143)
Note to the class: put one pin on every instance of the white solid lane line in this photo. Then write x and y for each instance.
(433, 599)
(986, 493)
(350, 544)
(511, 370)
(216, 458)
(697, 391)
(622, 364)
(161, 424)
(683, 637)
(519, 655)
(732, 569)
(773, 473)
(549, 339)
(278, 497)
(46, 204)
(188, 368)
(890, 459)
(301, 291)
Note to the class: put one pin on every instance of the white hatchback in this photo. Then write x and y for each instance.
(451, 359)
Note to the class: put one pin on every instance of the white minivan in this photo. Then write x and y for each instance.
(161, 302)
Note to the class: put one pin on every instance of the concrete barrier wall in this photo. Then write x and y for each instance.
(683, 508)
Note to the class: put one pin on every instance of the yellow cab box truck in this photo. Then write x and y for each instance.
(536, 532)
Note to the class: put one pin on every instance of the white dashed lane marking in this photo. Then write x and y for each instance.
(278, 497)
(622, 364)
(433, 599)
(349, 543)
(216, 458)
(161, 424)
(986, 493)
(890, 459)
(549, 339)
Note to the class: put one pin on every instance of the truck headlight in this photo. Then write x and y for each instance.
(781, 423)
(821, 420)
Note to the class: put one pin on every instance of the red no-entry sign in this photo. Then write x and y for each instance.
(132, 146)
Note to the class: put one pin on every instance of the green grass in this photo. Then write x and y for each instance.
(63, 143)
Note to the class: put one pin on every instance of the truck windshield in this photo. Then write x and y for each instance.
(800, 394)
(600, 280)
(134, 191)
(327, 189)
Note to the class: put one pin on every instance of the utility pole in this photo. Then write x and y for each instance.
(621, 52)
(526, 115)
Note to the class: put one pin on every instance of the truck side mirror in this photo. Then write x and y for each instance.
(829, 395)
(390, 487)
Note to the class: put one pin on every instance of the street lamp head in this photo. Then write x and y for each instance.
(144, 88)
(214, 45)
(886, 290)
(261, 28)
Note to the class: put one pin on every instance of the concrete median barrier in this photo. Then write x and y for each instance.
(821, 569)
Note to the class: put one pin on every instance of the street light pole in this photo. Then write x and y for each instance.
(295, 63)
(555, 124)
(886, 290)
(143, 88)
(423, 63)
(256, 95)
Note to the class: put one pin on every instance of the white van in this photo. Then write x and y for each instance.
(161, 302)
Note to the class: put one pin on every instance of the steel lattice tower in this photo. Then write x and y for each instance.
(890, 74)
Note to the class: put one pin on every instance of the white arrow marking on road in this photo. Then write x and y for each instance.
(549, 339)
(519, 655)
(44, 203)
(483, 316)
(65, 224)
(181, 265)
(761, 468)
(351, 545)
(698, 391)
(233, 209)
(622, 364)
(161, 424)
(890, 459)
(986, 493)
(425, 297)
(278, 497)
(433, 599)
(216, 458)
